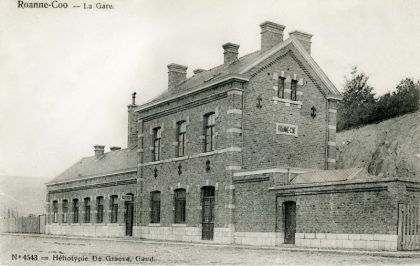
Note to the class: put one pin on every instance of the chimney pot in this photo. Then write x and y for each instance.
(176, 74)
(230, 52)
(99, 151)
(271, 34)
(303, 37)
(115, 148)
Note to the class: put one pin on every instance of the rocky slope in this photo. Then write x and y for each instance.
(390, 148)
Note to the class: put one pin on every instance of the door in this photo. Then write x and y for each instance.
(129, 206)
(289, 222)
(207, 222)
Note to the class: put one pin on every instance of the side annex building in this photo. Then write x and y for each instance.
(242, 153)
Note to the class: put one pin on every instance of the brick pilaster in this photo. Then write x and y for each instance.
(332, 123)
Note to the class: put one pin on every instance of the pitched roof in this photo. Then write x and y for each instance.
(110, 163)
(239, 67)
(331, 176)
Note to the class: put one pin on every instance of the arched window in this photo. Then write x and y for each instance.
(114, 208)
(155, 207)
(180, 202)
(65, 210)
(75, 211)
(87, 210)
(181, 131)
(55, 211)
(209, 122)
(100, 209)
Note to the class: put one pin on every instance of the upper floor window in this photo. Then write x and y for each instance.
(55, 211)
(87, 210)
(179, 202)
(75, 211)
(209, 120)
(65, 210)
(114, 208)
(293, 88)
(181, 131)
(281, 87)
(155, 207)
(157, 135)
(100, 209)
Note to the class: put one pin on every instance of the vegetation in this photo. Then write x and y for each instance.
(360, 107)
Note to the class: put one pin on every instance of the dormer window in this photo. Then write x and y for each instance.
(157, 135)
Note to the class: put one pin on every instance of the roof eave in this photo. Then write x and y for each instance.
(224, 79)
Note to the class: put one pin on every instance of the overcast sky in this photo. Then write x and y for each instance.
(66, 75)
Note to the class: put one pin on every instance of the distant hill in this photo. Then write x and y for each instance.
(26, 194)
(390, 148)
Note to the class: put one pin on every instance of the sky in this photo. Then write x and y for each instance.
(66, 75)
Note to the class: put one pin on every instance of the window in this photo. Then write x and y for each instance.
(87, 210)
(155, 207)
(114, 209)
(209, 132)
(181, 130)
(293, 90)
(65, 210)
(100, 209)
(157, 135)
(75, 211)
(55, 211)
(281, 87)
(180, 200)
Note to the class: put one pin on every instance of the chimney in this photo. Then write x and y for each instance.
(132, 137)
(115, 148)
(304, 38)
(230, 52)
(99, 151)
(176, 74)
(271, 34)
(198, 70)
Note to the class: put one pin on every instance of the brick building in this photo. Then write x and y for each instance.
(240, 153)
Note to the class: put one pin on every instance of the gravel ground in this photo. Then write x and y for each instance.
(168, 253)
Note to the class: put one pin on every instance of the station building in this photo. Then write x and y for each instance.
(241, 153)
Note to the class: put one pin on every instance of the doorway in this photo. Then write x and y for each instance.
(289, 222)
(207, 220)
(129, 211)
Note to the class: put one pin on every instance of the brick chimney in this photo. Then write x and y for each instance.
(99, 151)
(176, 74)
(115, 148)
(271, 34)
(304, 38)
(132, 123)
(230, 52)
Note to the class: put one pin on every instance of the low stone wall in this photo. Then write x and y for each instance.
(102, 230)
(182, 233)
(348, 241)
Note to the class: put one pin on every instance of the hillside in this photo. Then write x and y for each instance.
(390, 148)
(26, 194)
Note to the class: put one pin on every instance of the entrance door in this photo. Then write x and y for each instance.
(207, 222)
(289, 222)
(129, 206)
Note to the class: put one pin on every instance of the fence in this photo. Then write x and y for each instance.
(33, 224)
(408, 227)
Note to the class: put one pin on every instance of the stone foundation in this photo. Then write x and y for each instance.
(258, 238)
(102, 230)
(347, 241)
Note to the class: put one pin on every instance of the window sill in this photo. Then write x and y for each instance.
(154, 225)
(287, 102)
(179, 225)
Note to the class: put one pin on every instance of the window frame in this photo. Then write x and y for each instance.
(293, 90)
(280, 89)
(113, 205)
(155, 207)
(55, 211)
(100, 209)
(65, 209)
(86, 206)
(157, 137)
(180, 201)
(181, 132)
(75, 211)
(209, 134)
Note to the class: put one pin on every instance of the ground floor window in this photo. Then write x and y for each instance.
(180, 201)
(65, 210)
(87, 210)
(100, 209)
(155, 207)
(55, 211)
(75, 211)
(114, 209)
